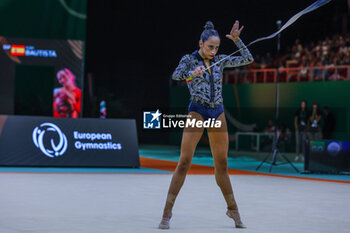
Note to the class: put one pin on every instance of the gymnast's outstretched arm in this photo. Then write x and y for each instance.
(235, 61)
(246, 57)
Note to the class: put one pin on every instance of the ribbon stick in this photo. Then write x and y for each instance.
(312, 7)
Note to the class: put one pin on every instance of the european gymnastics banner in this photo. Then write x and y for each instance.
(47, 141)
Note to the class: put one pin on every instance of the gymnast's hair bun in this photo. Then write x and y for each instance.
(209, 25)
(208, 31)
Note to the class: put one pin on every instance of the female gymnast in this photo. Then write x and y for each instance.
(205, 85)
(67, 99)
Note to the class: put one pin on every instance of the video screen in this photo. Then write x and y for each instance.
(41, 77)
(328, 156)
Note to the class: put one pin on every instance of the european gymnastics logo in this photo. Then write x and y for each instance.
(54, 150)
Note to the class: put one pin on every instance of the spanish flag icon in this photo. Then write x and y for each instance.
(18, 50)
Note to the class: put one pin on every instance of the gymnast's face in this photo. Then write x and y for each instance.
(210, 47)
(63, 78)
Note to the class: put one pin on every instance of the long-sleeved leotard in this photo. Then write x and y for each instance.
(207, 89)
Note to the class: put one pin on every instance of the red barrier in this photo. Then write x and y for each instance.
(301, 74)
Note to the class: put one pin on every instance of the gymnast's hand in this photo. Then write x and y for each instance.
(199, 71)
(235, 32)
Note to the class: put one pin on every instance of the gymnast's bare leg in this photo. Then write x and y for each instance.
(218, 139)
(190, 139)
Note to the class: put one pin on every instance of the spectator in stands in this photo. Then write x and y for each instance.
(329, 123)
(263, 64)
(304, 73)
(322, 55)
(269, 60)
(330, 51)
(314, 122)
(318, 74)
(301, 126)
(270, 128)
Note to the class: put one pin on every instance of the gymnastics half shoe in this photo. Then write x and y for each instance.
(234, 214)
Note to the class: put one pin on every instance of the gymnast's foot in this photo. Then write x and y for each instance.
(165, 222)
(234, 214)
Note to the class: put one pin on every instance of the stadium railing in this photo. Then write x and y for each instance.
(300, 74)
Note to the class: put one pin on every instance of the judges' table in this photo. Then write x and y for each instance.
(47, 141)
